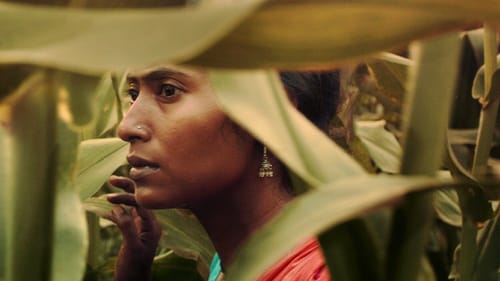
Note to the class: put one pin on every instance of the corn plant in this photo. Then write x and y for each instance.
(61, 69)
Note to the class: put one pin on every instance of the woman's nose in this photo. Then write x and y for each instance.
(133, 126)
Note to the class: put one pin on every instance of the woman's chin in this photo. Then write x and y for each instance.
(149, 199)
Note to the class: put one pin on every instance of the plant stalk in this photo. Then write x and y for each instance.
(489, 112)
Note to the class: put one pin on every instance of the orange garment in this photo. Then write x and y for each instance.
(305, 263)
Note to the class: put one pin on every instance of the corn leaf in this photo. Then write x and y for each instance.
(30, 191)
(231, 35)
(70, 237)
(315, 212)
(97, 160)
(256, 100)
(431, 85)
(382, 145)
(100, 40)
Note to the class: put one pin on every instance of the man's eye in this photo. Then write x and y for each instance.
(169, 91)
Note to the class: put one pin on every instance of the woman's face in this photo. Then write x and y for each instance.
(183, 149)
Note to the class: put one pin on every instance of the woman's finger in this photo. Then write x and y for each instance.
(122, 198)
(123, 182)
(125, 223)
(148, 222)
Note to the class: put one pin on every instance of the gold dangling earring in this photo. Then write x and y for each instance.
(266, 168)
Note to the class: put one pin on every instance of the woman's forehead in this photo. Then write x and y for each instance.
(158, 71)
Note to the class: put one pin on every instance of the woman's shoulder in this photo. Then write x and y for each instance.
(305, 263)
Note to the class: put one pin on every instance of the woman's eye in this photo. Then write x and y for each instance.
(169, 91)
(133, 94)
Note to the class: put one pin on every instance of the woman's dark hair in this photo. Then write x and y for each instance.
(316, 94)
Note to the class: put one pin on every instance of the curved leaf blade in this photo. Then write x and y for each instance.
(257, 101)
(338, 203)
(97, 160)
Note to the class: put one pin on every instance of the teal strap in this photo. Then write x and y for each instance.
(215, 268)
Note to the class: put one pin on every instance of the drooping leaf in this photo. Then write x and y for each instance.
(31, 189)
(322, 33)
(431, 85)
(256, 100)
(100, 40)
(182, 232)
(186, 237)
(447, 207)
(307, 33)
(349, 247)
(382, 145)
(170, 267)
(70, 236)
(316, 211)
(97, 160)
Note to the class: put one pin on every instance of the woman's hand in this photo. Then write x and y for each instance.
(140, 229)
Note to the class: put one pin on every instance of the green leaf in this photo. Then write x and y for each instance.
(186, 237)
(31, 186)
(382, 145)
(236, 34)
(316, 211)
(447, 207)
(182, 232)
(256, 100)
(349, 247)
(170, 267)
(79, 101)
(431, 85)
(70, 234)
(98, 205)
(99, 40)
(318, 33)
(97, 160)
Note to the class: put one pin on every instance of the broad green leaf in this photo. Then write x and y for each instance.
(186, 237)
(101, 40)
(70, 234)
(256, 100)
(30, 194)
(182, 232)
(233, 34)
(77, 105)
(349, 247)
(447, 208)
(71, 241)
(382, 145)
(103, 4)
(98, 205)
(97, 160)
(316, 211)
(320, 32)
(431, 85)
(170, 267)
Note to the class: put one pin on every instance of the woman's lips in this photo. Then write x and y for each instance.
(141, 167)
(137, 173)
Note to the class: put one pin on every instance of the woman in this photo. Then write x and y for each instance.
(186, 153)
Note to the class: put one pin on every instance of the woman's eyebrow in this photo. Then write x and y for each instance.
(158, 74)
